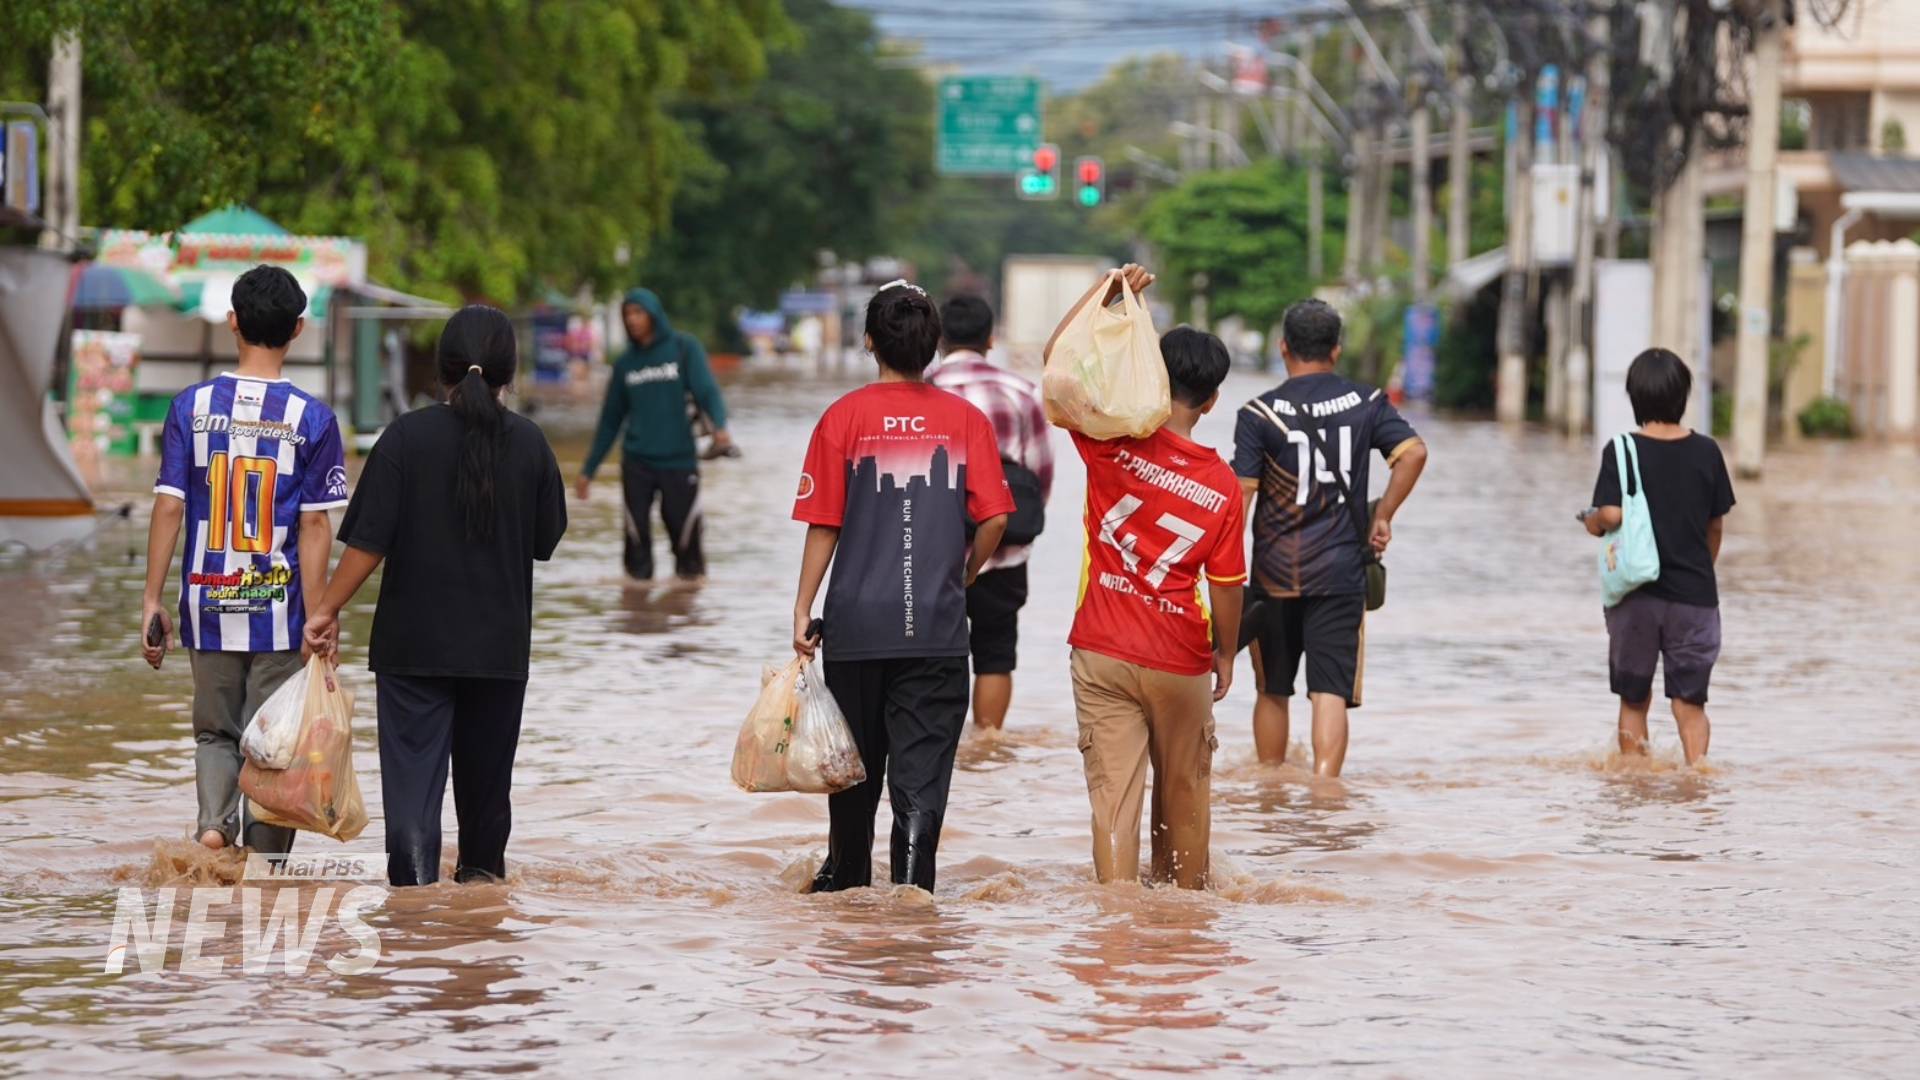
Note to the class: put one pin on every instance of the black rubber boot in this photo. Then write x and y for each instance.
(413, 857)
(916, 838)
(839, 872)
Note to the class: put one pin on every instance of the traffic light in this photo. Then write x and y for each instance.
(1090, 181)
(1042, 180)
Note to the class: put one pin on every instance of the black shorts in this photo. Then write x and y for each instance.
(993, 619)
(1330, 631)
(1684, 638)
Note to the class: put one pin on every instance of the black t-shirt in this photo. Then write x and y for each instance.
(450, 606)
(1687, 487)
(1305, 541)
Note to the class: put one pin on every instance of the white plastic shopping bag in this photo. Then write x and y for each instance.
(274, 729)
(823, 758)
(795, 738)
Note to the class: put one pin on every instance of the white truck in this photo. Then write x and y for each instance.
(1035, 290)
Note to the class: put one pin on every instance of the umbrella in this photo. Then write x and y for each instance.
(235, 220)
(106, 287)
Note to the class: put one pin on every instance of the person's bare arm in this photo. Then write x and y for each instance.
(1407, 466)
(986, 540)
(316, 546)
(1249, 489)
(1226, 601)
(163, 532)
(821, 542)
(1604, 520)
(323, 619)
(1716, 528)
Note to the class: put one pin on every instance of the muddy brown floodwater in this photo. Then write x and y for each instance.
(1487, 893)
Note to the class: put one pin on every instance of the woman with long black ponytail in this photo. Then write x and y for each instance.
(458, 500)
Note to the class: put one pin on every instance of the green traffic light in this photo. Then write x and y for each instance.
(1089, 196)
(1036, 184)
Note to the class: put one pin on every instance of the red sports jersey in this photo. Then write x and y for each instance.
(1158, 510)
(899, 468)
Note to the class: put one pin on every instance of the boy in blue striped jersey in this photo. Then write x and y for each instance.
(250, 464)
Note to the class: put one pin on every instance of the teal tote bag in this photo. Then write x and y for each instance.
(1628, 557)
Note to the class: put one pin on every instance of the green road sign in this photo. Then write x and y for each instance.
(989, 125)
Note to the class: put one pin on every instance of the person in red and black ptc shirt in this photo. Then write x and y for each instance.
(1309, 567)
(893, 474)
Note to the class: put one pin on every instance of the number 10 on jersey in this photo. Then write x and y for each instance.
(241, 503)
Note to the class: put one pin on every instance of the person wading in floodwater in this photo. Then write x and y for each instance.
(1674, 619)
(894, 472)
(1150, 656)
(459, 499)
(647, 396)
(1020, 426)
(251, 465)
(1300, 449)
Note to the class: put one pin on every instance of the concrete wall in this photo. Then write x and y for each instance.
(1879, 370)
(1806, 314)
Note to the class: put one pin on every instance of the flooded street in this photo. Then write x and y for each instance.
(1486, 893)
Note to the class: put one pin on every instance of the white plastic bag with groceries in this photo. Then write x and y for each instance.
(317, 791)
(1104, 377)
(795, 737)
(274, 728)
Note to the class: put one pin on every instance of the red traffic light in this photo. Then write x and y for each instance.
(1090, 170)
(1046, 158)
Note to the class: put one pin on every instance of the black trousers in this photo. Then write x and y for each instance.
(678, 491)
(906, 717)
(424, 722)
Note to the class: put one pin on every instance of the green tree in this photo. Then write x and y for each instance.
(1246, 231)
(521, 146)
(832, 151)
(196, 103)
(483, 148)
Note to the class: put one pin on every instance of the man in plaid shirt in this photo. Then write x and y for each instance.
(1020, 427)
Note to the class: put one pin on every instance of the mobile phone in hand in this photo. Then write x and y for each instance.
(157, 636)
(1583, 515)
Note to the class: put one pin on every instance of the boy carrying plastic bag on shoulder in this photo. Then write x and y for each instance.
(1166, 567)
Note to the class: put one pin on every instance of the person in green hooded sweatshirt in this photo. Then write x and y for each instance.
(647, 396)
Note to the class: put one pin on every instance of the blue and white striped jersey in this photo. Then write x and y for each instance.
(247, 456)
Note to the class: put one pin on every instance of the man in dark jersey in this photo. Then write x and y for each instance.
(1308, 562)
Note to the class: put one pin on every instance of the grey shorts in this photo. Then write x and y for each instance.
(1683, 638)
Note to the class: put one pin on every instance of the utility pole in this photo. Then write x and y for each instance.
(1316, 208)
(1358, 182)
(1459, 174)
(1515, 337)
(1422, 194)
(1593, 157)
(63, 139)
(1756, 244)
(1678, 302)
(1380, 198)
(1459, 165)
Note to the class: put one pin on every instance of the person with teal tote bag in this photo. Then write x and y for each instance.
(1659, 507)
